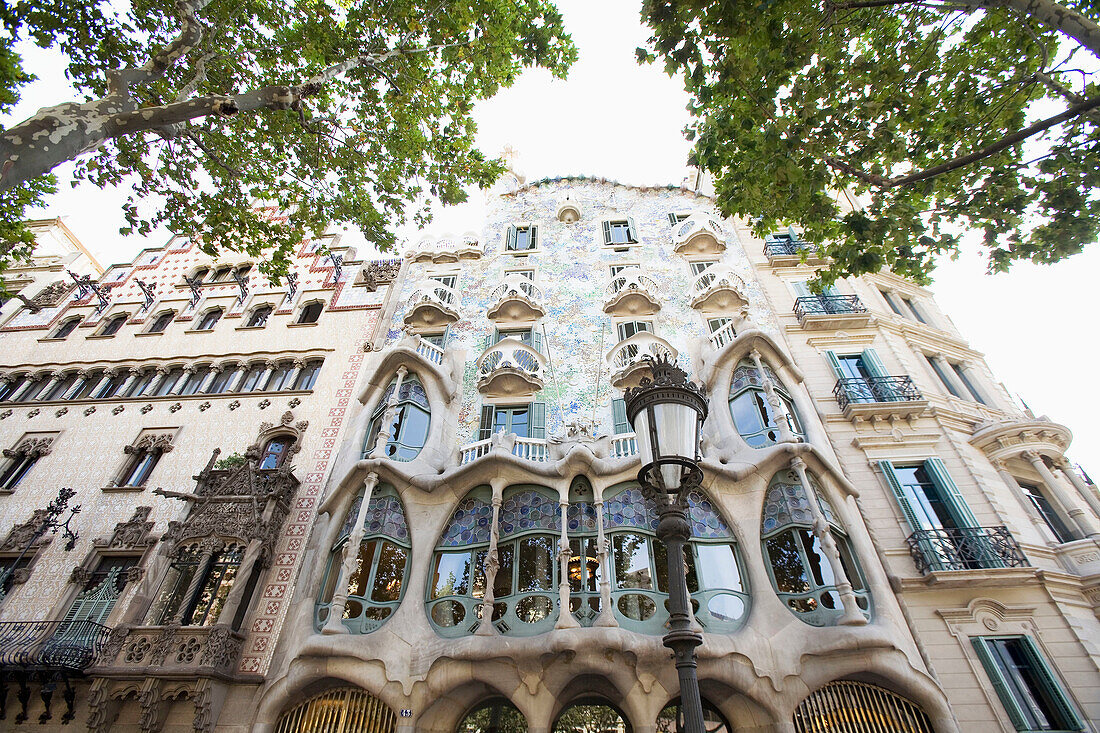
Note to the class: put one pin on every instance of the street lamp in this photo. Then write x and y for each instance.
(667, 412)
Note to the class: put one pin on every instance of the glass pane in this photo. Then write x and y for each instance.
(636, 606)
(632, 565)
(357, 584)
(536, 563)
(745, 415)
(786, 561)
(660, 558)
(718, 567)
(390, 573)
(502, 586)
(533, 609)
(451, 576)
(448, 613)
(820, 568)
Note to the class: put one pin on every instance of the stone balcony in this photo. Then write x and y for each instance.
(698, 234)
(831, 312)
(718, 289)
(432, 305)
(170, 651)
(510, 368)
(516, 300)
(627, 358)
(446, 249)
(631, 293)
(876, 398)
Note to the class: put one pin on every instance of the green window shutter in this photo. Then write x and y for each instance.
(938, 472)
(538, 420)
(834, 363)
(874, 364)
(536, 340)
(486, 429)
(830, 290)
(993, 671)
(801, 290)
(607, 232)
(618, 412)
(510, 243)
(631, 229)
(793, 234)
(533, 236)
(673, 219)
(1056, 696)
(887, 469)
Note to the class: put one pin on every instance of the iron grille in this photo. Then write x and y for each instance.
(814, 305)
(875, 389)
(787, 246)
(50, 645)
(965, 548)
(847, 706)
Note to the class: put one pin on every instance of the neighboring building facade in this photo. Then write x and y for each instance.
(882, 541)
(127, 383)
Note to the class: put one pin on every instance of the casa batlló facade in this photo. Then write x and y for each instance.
(440, 529)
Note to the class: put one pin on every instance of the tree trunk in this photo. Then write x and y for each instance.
(1054, 16)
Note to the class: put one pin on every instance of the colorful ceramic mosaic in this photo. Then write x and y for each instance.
(786, 504)
(630, 508)
(747, 375)
(529, 510)
(469, 525)
(580, 517)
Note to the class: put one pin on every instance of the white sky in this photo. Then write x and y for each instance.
(615, 119)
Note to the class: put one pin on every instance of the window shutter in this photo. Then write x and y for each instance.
(607, 232)
(536, 340)
(887, 469)
(673, 219)
(792, 233)
(834, 363)
(632, 231)
(993, 671)
(618, 412)
(532, 236)
(485, 431)
(510, 243)
(801, 290)
(538, 420)
(938, 472)
(874, 364)
(1056, 695)
(830, 290)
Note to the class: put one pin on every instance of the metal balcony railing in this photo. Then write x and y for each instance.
(865, 390)
(816, 305)
(50, 645)
(787, 246)
(965, 548)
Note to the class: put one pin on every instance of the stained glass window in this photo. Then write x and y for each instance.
(411, 420)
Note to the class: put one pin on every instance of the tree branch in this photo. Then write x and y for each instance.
(190, 35)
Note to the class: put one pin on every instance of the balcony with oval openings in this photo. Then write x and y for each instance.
(446, 249)
(630, 293)
(516, 300)
(627, 358)
(717, 288)
(698, 234)
(512, 366)
(434, 303)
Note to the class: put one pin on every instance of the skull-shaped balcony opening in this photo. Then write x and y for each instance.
(516, 300)
(698, 234)
(631, 293)
(433, 304)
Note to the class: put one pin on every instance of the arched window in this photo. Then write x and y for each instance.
(91, 379)
(275, 452)
(344, 710)
(525, 587)
(493, 716)
(799, 569)
(669, 721)
(62, 388)
(9, 388)
(34, 386)
(141, 382)
(110, 328)
(412, 417)
(857, 707)
(19, 466)
(258, 317)
(112, 385)
(243, 270)
(200, 274)
(221, 274)
(169, 381)
(161, 322)
(307, 377)
(584, 716)
(195, 380)
(140, 467)
(252, 378)
(639, 564)
(280, 376)
(209, 319)
(376, 585)
(311, 312)
(755, 418)
(66, 328)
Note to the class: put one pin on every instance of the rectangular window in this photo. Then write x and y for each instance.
(675, 218)
(913, 309)
(449, 280)
(889, 298)
(526, 421)
(1026, 684)
(529, 274)
(521, 238)
(715, 324)
(618, 413)
(697, 268)
(616, 269)
(961, 373)
(631, 328)
(1047, 511)
(620, 232)
(942, 376)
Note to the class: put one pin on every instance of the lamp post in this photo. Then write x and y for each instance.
(667, 413)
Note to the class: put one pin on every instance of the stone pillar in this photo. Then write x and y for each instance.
(778, 408)
(108, 374)
(1089, 495)
(162, 372)
(211, 375)
(379, 450)
(235, 382)
(334, 623)
(949, 374)
(55, 377)
(565, 615)
(1081, 520)
(134, 375)
(182, 380)
(492, 561)
(209, 546)
(853, 616)
(261, 384)
(298, 365)
(81, 376)
(27, 385)
(606, 617)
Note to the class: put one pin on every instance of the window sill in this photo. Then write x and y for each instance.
(49, 339)
(523, 252)
(150, 333)
(621, 245)
(302, 325)
(123, 489)
(251, 328)
(199, 330)
(101, 336)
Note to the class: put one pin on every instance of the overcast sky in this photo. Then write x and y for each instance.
(615, 119)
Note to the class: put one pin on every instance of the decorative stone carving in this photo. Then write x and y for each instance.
(294, 402)
(34, 447)
(89, 411)
(146, 409)
(287, 418)
(132, 534)
(204, 407)
(264, 404)
(380, 272)
(5, 414)
(175, 407)
(62, 411)
(49, 296)
(117, 410)
(234, 405)
(21, 534)
(151, 443)
(33, 413)
(80, 576)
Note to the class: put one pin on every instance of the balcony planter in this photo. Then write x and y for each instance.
(718, 289)
(630, 293)
(510, 368)
(817, 312)
(627, 359)
(516, 301)
(698, 235)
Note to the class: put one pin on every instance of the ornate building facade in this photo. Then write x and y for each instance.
(443, 531)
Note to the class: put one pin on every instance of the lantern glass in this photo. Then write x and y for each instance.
(676, 436)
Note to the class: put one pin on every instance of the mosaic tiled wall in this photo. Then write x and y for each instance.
(572, 272)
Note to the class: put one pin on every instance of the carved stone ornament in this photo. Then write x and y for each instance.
(287, 418)
(132, 534)
(204, 407)
(264, 404)
(146, 409)
(21, 534)
(34, 447)
(379, 272)
(234, 405)
(175, 407)
(294, 403)
(33, 413)
(5, 414)
(50, 295)
(81, 575)
(62, 411)
(89, 411)
(117, 410)
(151, 443)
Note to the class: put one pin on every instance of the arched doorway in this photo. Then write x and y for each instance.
(493, 716)
(669, 721)
(591, 716)
(847, 706)
(342, 710)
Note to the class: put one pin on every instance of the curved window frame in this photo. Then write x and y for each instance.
(310, 312)
(407, 438)
(357, 709)
(259, 312)
(156, 327)
(205, 323)
(307, 376)
(384, 540)
(804, 557)
(747, 390)
(67, 327)
(272, 456)
(113, 325)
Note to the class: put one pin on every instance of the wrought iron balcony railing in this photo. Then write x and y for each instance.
(50, 645)
(787, 246)
(965, 548)
(865, 390)
(814, 305)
